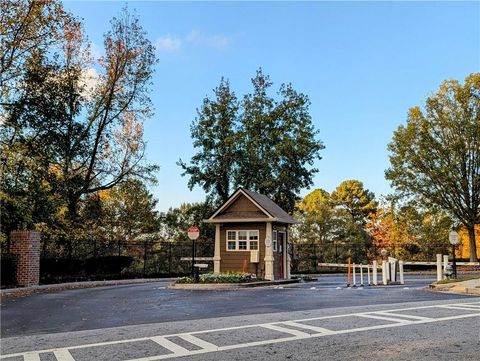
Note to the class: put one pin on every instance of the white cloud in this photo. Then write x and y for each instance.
(90, 79)
(168, 43)
(217, 41)
(172, 44)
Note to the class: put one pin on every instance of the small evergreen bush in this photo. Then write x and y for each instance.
(221, 278)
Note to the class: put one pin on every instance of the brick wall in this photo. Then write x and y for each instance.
(25, 245)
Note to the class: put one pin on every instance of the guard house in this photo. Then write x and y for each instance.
(252, 236)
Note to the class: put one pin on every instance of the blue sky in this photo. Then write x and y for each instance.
(363, 64)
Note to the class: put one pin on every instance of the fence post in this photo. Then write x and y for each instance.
(294, 264)
(445, 265)
(374, 273)
(144, 258)
(400, 268)
(384, 272)
(361, 274)
(170, 257)
(439, 267)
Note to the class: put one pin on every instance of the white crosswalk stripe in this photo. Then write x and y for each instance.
(63, 355)
(286, 330)
(307, 327)
(169, 345)
(392, 318)
(199, 342)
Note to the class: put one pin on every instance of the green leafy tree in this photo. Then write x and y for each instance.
(318, 218)
(216, 138)
(26, 27)
(128, 211)
(357, 201)
(176, 221)
(263, 144)
(436, 155)
(355, 205)
(84, 129)
(278, 143)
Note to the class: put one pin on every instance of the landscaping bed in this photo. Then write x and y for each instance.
(226, 281)
(220, 278)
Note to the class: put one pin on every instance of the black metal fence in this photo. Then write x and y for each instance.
(61, 262)
(67, 260)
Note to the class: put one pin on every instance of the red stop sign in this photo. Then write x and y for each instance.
(193, 232)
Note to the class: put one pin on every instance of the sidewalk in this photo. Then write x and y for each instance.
(470, 287)
(26, 291)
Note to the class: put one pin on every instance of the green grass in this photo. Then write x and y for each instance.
(454, 280)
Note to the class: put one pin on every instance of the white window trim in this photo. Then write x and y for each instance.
(248, 240)
(275, 241)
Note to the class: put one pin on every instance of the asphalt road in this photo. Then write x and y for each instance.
(428, 330)
(98, 308)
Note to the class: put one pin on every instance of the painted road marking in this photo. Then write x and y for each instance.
(307, 327)
(169, 345)
(34, 356)
(384, 318)
(63, 353)
(206, 346)
(455, 307)
(286, 330)
(386, 313)
(470, 305)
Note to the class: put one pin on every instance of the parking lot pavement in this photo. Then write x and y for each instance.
(98, 308)
(434, 330)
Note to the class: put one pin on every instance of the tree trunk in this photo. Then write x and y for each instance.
(473, 245)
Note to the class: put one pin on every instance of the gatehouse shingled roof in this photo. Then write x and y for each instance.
(272, 212)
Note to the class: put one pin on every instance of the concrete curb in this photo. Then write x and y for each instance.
(229, 286)
(26, 291)
(459, 288)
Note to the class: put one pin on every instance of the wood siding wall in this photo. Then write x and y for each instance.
(242, 207)
(232, 261)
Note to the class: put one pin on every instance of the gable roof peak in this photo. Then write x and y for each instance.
(272, 210)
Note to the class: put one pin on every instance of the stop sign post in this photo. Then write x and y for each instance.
(193, 233)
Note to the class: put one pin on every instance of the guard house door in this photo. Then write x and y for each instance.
(279, 255)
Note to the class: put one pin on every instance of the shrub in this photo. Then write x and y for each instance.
(221, 278)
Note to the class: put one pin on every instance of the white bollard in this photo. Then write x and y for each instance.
(354, 277)
(387, 264)
(445, 264)
(439, 267)
(368, 275)
(384, 272)
(400, 269)
(375, 270)
(361, 275)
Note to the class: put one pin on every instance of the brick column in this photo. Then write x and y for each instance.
(25, 245)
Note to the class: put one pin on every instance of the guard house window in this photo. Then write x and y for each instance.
(231, 240)
(242, 240)
(253, 240)
(274, 243)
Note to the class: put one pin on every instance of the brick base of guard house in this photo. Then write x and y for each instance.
(25, 246)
